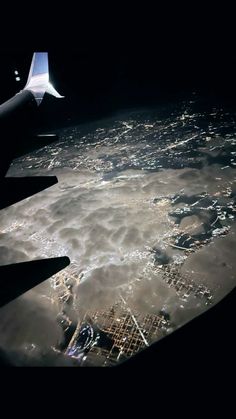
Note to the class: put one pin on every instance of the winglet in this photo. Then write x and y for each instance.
(38, 79)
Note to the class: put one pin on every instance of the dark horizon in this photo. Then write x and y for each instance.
(148, 68)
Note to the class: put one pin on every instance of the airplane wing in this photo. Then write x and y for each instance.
(18, 114)
(14, 189)
(16, 123)
(18, 278)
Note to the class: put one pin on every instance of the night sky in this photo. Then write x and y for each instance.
(100, 68)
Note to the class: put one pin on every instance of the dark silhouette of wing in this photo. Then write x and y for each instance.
(17, 133)
(18, 278)
(14, 189)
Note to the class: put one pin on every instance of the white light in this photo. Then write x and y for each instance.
(16, 72)
(17, 78)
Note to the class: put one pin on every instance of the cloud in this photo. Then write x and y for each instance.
(107, 213)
